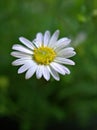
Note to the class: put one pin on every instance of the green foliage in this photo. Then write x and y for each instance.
(34, 101)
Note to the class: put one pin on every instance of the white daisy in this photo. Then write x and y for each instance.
(45, 56)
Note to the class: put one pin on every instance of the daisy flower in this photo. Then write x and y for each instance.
(45, 55)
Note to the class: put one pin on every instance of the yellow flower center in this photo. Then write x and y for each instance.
(44, 55)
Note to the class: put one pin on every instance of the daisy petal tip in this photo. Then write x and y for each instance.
(57, 31)
(68, 40)
(13, 63)
(69, 72)
(21, 37)
(47, 79)
(38, 77)
(74, 53)
(73, 63)
(19, 72)
(13, 47)
(47, 31)
(27, 78)
(58, 79)
(11, 53)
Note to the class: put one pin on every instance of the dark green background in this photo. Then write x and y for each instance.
(37, 104)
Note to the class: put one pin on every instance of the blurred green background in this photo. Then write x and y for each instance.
(35, 104)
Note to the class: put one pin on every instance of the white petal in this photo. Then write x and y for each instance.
(39, 71)
(54, 38)
(65, 51)
(67, 71)
(62, 43)
(22, 49)
(64, 61)
(66, 54)
(64, 40)
(25, 67)
(26, 42)
(20, 61)
(46, 38)
(57, 68)
(39, 40)
(53, 73)
(31, 72)
(46, 73)
(60, 68)
(20, 54)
